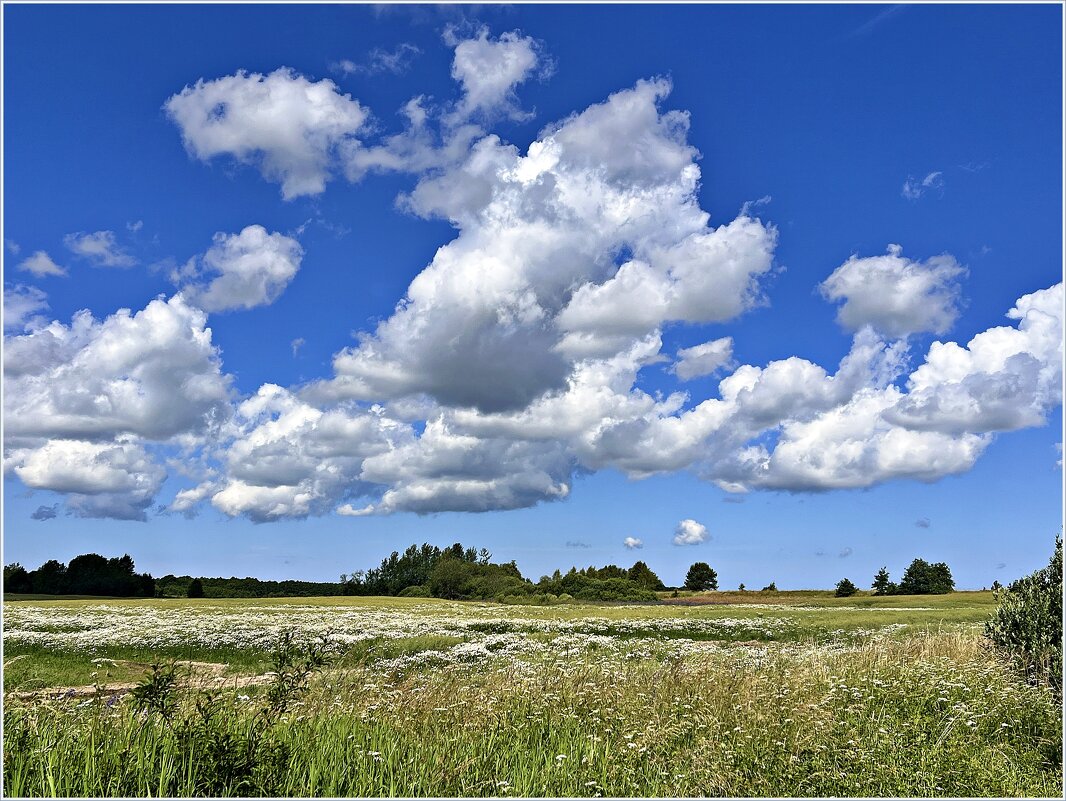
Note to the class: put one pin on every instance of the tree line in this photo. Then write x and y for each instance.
(455, 572)
(88, 574)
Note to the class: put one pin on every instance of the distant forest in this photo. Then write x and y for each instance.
(424, 571)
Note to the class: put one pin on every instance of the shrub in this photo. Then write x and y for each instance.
(1027, 625)
(845, 589)
(771, 587)
(416, 591)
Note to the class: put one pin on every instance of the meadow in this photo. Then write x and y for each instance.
(753, 694)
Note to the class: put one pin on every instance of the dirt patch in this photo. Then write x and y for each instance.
(198, 675)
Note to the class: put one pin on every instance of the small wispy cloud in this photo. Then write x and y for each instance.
(876, 21)
(40, 264)
(12, 247)
(45, 512)
(922, 522)
(632, 543)
(577, 544)
(100, 248)
(296, 344)
(914, 188)
(396, 61)
(845, 553)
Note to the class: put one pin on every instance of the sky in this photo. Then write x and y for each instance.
(777, 288)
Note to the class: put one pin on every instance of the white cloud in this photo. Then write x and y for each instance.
(689, 532)
(100, 248)
(243, 270)
(489, 70)
(101, 479)
(154, 374)
(296, 344)
(895, 295)
(40, 264)
(347, 510)
(288, 458)
(632, 543)
(914, 188)
(534, 227)
(286, 125)
(703, 359)
(446, 471)
(1005, 378)
(12, 247)
(22, 307)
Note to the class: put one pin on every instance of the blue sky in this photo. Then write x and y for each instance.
(543, 391)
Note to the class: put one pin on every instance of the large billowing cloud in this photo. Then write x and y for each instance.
(286, 125)
(532, 285)
(154, 374)
(241, 271)
(516, 358)
(81, 401)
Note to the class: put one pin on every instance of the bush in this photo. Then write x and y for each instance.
(771, 587)
(1027, 626)
(845, 589)
(416, 591)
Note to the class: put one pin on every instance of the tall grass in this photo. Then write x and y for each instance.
(925, 715)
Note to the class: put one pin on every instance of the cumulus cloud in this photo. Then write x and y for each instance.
(286, 125)
(689, 532)
(154, 374)
(100, 248)
(895, 295)
(22, 307)
(242, 271)
(1004, 379)
(40, 264)
(290, 459)
(530, 285)
(632, 543)
(100, 479)
(914, 188)
(703, 359)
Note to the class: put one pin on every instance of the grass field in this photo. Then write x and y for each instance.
(785, 694)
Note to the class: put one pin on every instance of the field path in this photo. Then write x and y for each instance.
(203, 675)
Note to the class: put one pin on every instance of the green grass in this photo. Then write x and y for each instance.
(855, 697)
